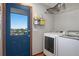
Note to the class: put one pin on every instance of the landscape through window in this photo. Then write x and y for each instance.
(19, 24)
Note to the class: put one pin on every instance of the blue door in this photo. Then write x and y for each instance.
(17, 30)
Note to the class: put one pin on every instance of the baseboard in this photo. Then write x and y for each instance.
(39, 54)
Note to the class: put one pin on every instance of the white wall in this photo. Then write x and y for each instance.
(69, 19)
(38, 31)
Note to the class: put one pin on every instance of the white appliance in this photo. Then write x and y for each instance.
(57, 44)
(68, 46)
(49, 44)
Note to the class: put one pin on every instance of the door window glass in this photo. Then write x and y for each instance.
(19, 24)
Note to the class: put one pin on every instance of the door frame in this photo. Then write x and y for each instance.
(4, 27)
